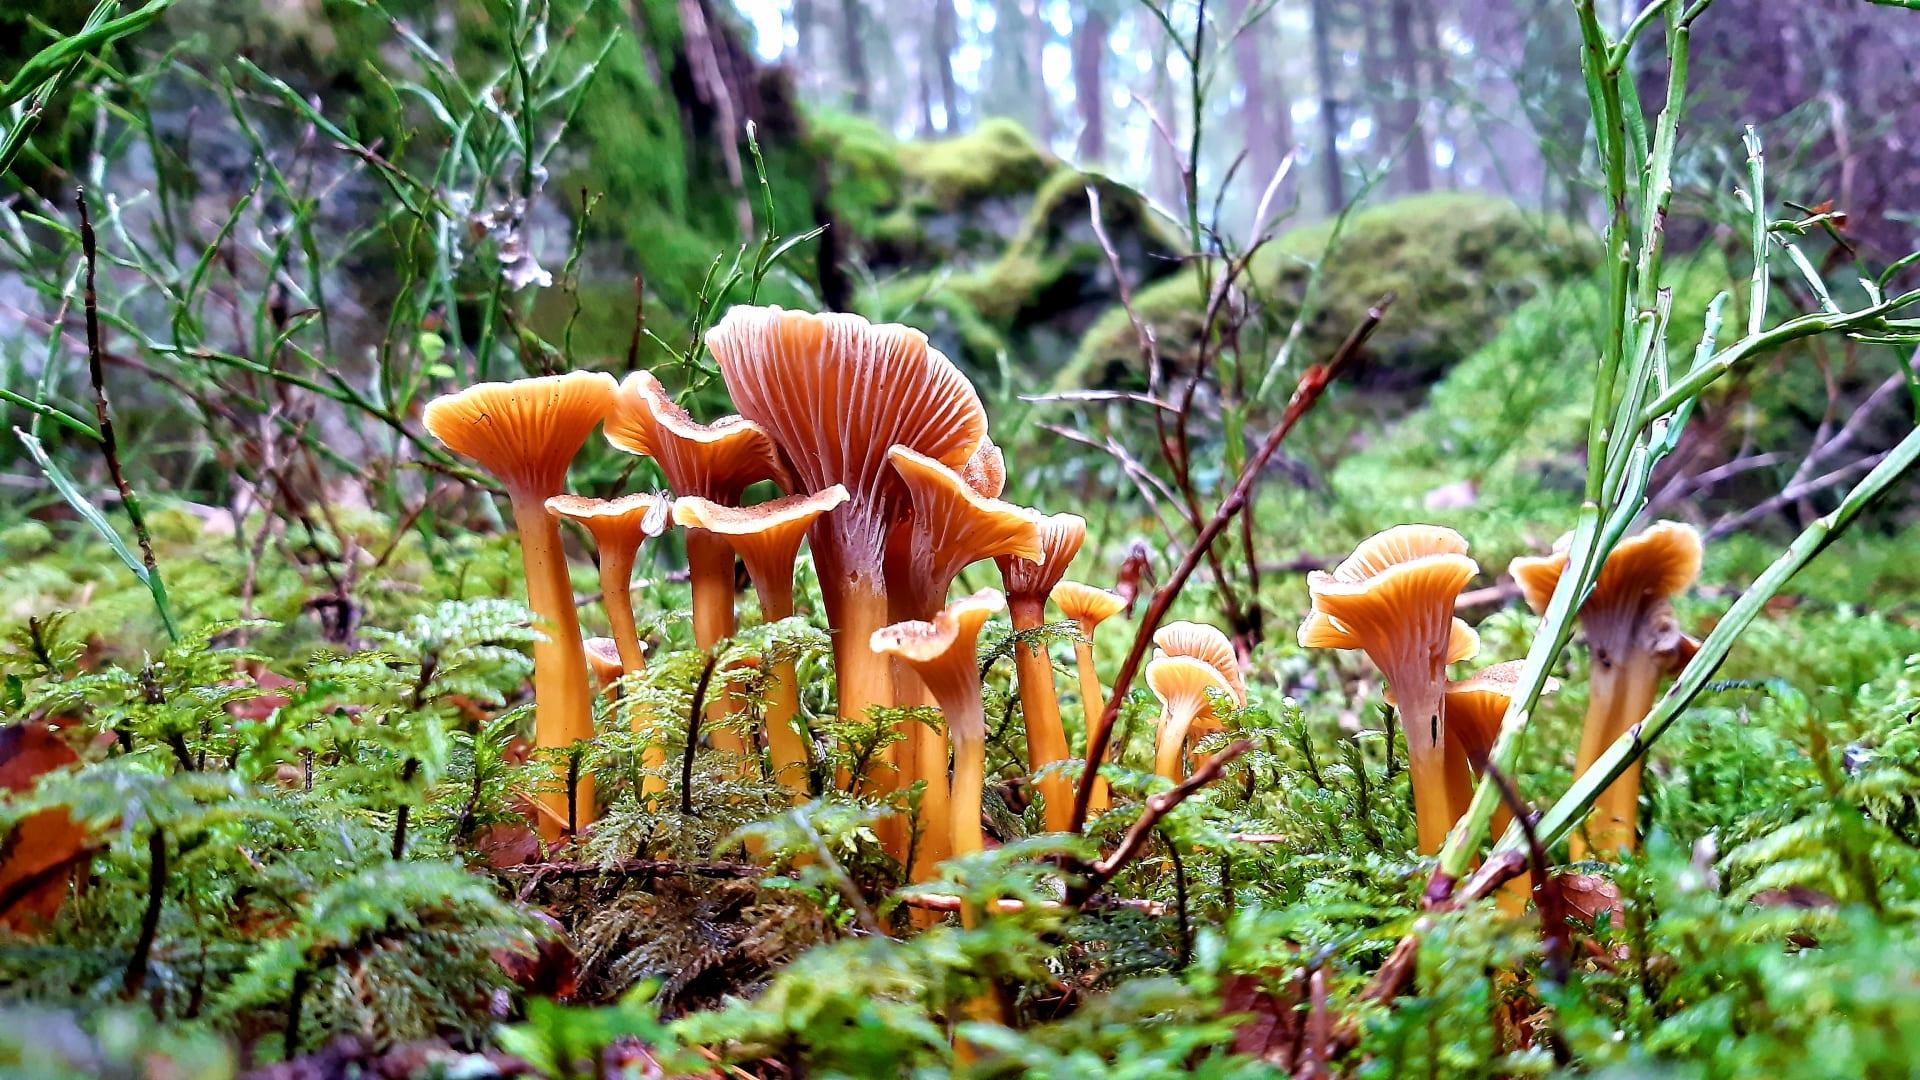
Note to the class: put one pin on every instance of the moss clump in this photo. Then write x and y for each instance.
(997, 158)
(1456, 263)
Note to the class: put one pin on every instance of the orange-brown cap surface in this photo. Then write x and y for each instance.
(712, 461)
(625, 521)
(1085, 604)
(942, 650)
(603, 659)
(986, 471)
(766, 536)
(525, 432)
(1659, 563)
(835, 392)
(1206, 644)
(1060, 538)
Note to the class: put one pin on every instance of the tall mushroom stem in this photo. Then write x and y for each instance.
(563, 698)
(1040, 707)
(1619, 696)
(616, 596)
(1437, 782)
(710, 571)
(1088, 607)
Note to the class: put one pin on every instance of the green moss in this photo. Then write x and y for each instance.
(995, 159)
(1456, 264)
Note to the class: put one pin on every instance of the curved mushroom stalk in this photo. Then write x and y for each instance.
(1393, 599)
(1210, 646)
(526, 433)
(618, 526)
(1028, 585)
(716, 462)
(951, 525)
(835, 392)
(944, 654)
(1181, 683)
(1634, 643)
(767, 539)
(1088, 607)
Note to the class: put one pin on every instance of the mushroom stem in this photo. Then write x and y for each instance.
(1093, 706)
(710, 570)
(616, 596)
(967, 728)
(936, 802)
(1174, 723)
(1040, 707)
(563, 702)
(786, 746)
(1423, 719)
(1619, 696)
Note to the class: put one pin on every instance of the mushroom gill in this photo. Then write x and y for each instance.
(1181, 683)
(835, 393)
(1634, 643)
(1028, 585)
(1088, 607)
(526, 433)
(943, 653)
(1393, 599)
(1209, 645)
(767, 539)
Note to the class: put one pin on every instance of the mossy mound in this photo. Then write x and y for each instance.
(1455, 263)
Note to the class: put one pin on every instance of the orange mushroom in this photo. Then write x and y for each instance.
(1393, 599)
(767, 538)
(1088, 607)
(986, 471)
(526, 433)
(944, 654)
(717, 462)
(1028, 585)
(1634, 642)
(1182, 684)
(1209, 645)
(603, 660)
(618, 527)
(835, 392)
(1475, 707)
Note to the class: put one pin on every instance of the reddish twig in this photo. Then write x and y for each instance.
(1156, 807)
(1313, 383)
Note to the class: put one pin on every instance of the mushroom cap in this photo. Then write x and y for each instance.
(621, 522)
(1323, 631)
(525, 432)
(952, 525)
(603, 659)
(1086, 604)
(1476, 704)
(1206, 644)
(986, 471)
(835, 392)
(713, 461)
(766, 534)
(1185, 680)
(1060, 538)
(956, 625)
(1397, 545)
(1656, 564)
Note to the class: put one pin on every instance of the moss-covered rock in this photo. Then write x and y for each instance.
(1456, 264)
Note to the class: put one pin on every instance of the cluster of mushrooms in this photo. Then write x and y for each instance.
(882, 448)
(1394, 598)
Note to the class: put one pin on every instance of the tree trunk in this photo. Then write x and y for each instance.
(853, 55)
(1035, 44)
(1331, 176)
(1089, 57)
(1438, 87)
(946, 39)
(806, 24)
(1409, 134)
(1164, 180)
(1266, 119)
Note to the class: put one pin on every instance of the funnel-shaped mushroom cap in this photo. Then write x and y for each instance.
(1395, 592)
(766, 536)
(623, 522)
(1657, 564)
(952, 525)
(943, 651)
(1476, 704)
(1208, 645)
(986, 471)
(1392, 547)
(1321, 631)
(713, 461)
(1085, 604)
(1182, 682)
(603, 659)
(1060, 538)
(525, 432)
(835, 392)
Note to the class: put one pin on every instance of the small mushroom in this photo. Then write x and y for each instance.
(526, 433)
(944, 654)
(1475, 707)
(716, 462)
(618, 526)
(1210, 646)
(1393, 599)
(1181, 683)
(835, 392)
(1028, 585)
(986, 471)
(767, 539)
(1634, 642)
(603, 660)
(1088, 607)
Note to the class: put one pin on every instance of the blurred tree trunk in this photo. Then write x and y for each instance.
(1409, 135)
(1331, 177)
(1164, 183)
(1266, 114)
(1089, 60)
(946, 39)
(1438, 89)
(853, 55)
(1034, 41)
(806, 24)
